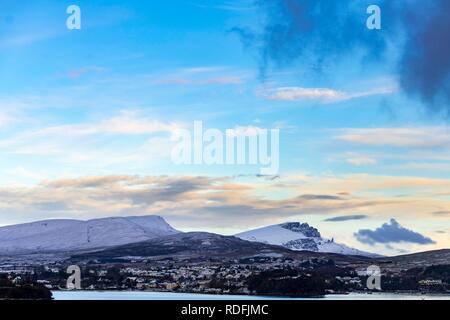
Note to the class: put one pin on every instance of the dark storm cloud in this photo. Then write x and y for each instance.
(346, 218)
(315, 29)
(425, 64)
(391, 232)
(320, 31)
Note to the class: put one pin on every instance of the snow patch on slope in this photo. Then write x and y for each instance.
(298, 236)
(63, 235)
(275, 234)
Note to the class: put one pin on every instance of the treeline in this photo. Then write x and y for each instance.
(288, 282)
(22, 291)
(416, 279)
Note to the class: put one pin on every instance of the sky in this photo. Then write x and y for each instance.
(87, 116)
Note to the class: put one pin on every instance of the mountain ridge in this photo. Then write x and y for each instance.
(299, 236)
(194, 247)
(202, 246)
(71, 234)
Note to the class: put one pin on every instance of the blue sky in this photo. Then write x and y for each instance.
(102, 102)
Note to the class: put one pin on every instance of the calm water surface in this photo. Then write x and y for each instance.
(145, 295)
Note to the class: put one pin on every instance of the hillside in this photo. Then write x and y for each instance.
(299, 236)
(66, 235)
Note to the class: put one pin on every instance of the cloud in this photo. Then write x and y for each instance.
(238, 6)
(217, 204)
(77, 73)
(347, 218)
(245, 131)
(259, 176)
(320, 32)
(125, 123)
(192, 201)
(201, 76)
(19, 40)
(89, 182)
(4, 119)
(361, 161)
(391, 233)
(310, 29)
(101, 195)
(25, 173)
(425, 166)
(425, 62)
(419, 137)
(319, 197)
(11, 111)
(297, 93)
(202, 82)
(442, 213)
(91, 142)
(321, 94)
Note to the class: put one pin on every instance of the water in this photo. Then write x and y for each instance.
(146, 295)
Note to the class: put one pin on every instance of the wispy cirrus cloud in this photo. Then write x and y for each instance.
(403, 149)
(201, 76)
(4, 119)
(407, 137)
(77, 73)
(90, 142)
(126, 123)
(202, 82)
(245, 131)
(11, 112)
(347, 218)
(321, 94)
(361, 161)
(237, 6)
(24, 39)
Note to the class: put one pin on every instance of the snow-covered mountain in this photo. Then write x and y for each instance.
(298, 236)
(67, 235)
(75, 235)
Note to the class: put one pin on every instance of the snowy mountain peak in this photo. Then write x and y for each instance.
(63, 235)
(298, 236)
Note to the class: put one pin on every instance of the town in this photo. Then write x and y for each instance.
(267, 276)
